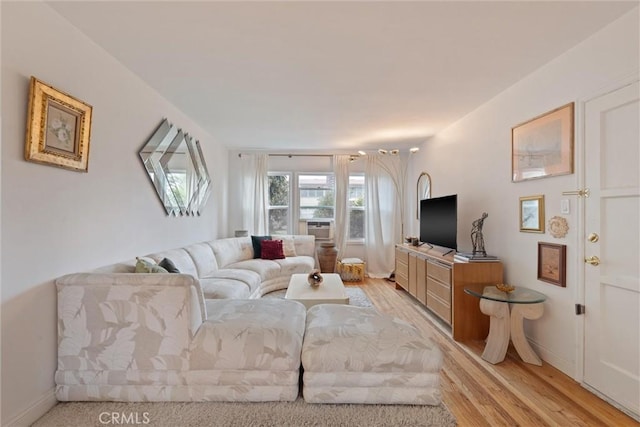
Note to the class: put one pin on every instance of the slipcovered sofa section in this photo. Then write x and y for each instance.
(148, 337)
(359, 355)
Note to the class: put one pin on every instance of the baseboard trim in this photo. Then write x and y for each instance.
(560, 363)
(612, 402)
(34, 411)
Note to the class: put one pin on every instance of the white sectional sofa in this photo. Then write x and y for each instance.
(227, 269)
(204, 334)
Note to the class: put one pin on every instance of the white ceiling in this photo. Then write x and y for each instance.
(334, 75)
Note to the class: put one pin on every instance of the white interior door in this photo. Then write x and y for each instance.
(612, 212)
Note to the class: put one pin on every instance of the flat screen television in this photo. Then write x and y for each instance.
(439, 221)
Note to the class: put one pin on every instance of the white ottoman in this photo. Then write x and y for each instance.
(358, 355)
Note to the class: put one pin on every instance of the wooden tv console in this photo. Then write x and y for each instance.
(438, 282)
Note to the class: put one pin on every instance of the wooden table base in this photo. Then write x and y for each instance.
(504, 326)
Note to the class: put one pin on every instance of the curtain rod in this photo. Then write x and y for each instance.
(295, 155)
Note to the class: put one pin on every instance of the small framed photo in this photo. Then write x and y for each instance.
(58, 128)
(552, 263)
(543, 146)
(532, 214)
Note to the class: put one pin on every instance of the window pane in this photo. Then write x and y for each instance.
(356, 224)
(279, 221)
(356, 207)
(279, 190)
(279, 199)
(325, 212)
(317, 197)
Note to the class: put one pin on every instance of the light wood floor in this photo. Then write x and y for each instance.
(511, 393)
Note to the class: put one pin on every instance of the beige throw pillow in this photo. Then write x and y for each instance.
(288, 246)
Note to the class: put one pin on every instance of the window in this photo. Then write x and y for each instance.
(316, 196)
(313, 198)
(356, 207)
(279, 202)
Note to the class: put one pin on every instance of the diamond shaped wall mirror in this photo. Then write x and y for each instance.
(178, 172)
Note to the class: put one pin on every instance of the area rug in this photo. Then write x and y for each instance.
(356, 296)
(203, 414)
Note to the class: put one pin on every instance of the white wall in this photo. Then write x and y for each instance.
(56, 221)
(473, 159)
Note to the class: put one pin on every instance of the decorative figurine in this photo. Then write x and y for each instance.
(314, 278)
(476, 236)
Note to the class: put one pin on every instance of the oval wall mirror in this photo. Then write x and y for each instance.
(178, 172)
(423, 190)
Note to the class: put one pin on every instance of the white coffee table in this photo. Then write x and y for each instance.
(330, 291)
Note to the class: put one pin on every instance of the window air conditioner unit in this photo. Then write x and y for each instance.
(323, 229)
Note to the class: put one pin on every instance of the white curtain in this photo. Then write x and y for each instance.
(255, 193)
(341, 232)
(380, 196)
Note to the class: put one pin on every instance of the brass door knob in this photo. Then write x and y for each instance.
(593, 260)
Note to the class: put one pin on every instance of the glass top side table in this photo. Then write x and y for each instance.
(506, 322)
(518, 296)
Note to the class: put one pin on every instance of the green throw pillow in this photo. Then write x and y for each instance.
(144, 266)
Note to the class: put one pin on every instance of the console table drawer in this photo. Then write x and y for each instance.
(439, 289)
(402, 273)
(402, 257)
(439, 272)
(439, 307)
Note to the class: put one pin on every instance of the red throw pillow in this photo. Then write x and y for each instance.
(272, 249)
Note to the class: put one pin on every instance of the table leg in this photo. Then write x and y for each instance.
(519, 312)
(499, 330)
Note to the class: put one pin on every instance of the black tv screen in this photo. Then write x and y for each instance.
(439, 221)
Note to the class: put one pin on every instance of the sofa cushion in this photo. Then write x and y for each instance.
(296, 265)
(224, 289)
(203, 258)
(267, 269)
(256, 241)
(248, 277)
(271, 249)
(260, 334)
(344, 338)
(305, 245)
(234, 249)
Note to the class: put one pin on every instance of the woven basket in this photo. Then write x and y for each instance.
(351, 270)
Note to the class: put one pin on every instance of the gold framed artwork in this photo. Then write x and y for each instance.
(543, 146)
(532, 214)
(552, 263)
(58, 128)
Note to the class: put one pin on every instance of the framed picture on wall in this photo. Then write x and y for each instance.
(58, 128)
(552, 263)
(543, 146)
(532, 214)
